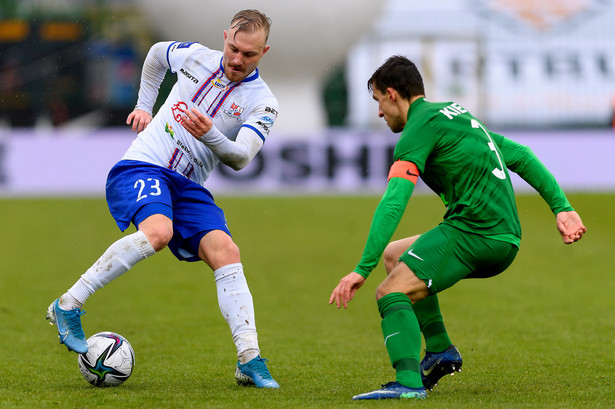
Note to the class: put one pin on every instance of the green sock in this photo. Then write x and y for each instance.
(432, 324)
(402, 338)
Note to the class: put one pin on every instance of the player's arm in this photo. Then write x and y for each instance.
(402, 179)
(388, 214)
(236, 154)
(154, 69)
(521, 160)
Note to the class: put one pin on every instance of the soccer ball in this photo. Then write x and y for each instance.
(109, 360)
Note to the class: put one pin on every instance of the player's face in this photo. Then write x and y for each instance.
(389, 110)
(242, 53)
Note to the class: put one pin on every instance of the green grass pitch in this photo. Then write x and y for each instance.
(540, 335)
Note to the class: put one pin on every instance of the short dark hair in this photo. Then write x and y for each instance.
(250, 21)
(398, 73)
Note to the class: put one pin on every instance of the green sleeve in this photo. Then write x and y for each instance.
(521, 160)
(386, 219)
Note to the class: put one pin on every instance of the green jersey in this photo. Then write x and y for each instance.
(467, 166)
(459, 160)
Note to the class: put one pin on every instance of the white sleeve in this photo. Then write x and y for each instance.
(236, 154)
(161, 57)
(155, 68)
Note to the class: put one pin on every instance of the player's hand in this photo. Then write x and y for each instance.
(570, 226)
(346, 289)
(196, 123)
(139, 119)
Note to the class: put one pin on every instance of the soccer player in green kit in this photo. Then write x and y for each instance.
(467, 166)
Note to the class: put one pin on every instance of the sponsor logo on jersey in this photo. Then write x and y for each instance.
(265, 126)
(186, 44)
(189, 76)
(267, 120)
(218, 84)
(178, 110)
(192, 157)
(271, 110)
(169, 129)
(234, 111)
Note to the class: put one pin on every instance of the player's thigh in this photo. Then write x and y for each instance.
(394, 250)
(398, 247)
(218, 249)
(133, 185)
(158, 228)
(403, 280)
(195, 215)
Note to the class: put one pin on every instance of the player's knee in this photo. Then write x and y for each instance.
(158, 229)
(230, 251)
(159, 237)
(217, 249)
(390, 258)
(383, 290)
(414, 288)
(418, 294)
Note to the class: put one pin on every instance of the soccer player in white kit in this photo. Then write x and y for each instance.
(220, 109)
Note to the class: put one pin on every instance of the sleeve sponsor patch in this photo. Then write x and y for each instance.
(186, 44)
(404, 169)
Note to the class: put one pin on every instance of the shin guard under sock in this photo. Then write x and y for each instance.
(402, 337)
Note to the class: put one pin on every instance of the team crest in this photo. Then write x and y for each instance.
(234, 111)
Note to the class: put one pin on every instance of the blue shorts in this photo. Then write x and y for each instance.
(136, 190)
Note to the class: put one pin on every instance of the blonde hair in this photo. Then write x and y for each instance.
(251, 21)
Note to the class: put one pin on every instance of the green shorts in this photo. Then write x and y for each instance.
(444, 255)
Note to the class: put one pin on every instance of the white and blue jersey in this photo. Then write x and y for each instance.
(246, 106)
(165, 168)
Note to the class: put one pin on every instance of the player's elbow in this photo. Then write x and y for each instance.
(238, 154)
(236, 166)
(156, 49)
(237, 162)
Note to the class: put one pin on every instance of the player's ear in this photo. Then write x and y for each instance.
(265, 50)
(391, 94)
(225, 35)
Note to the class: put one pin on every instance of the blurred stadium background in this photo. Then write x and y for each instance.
(540, 72)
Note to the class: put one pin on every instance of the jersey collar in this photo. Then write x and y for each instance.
(415, 104)
(253, 75)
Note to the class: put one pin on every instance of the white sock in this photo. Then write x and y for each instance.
(237, 308)
(120, 257)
